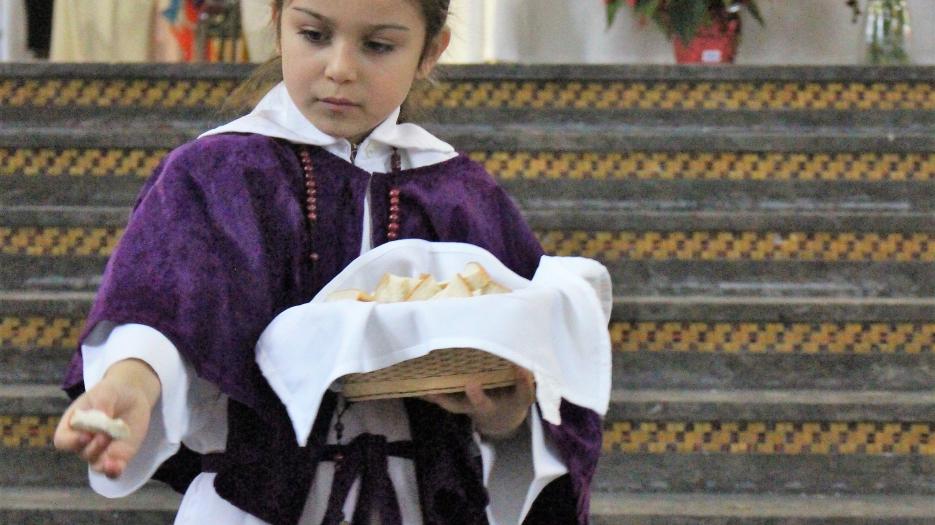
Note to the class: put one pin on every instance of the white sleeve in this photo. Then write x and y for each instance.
(187, 404)
(517, 469)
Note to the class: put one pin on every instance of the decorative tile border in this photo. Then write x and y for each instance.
(57, 333)
(629, 437)
(545, 165)
(606, 246)
(785, 438)
(782, 338)
(503, 94)
(741, 246)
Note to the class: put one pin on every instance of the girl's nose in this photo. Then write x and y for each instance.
(342, 63)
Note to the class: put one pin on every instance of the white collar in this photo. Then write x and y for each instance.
(276, 115)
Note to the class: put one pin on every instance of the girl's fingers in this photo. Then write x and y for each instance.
(454, 403)
(480, 403)
(67, 438)
(92, 452)
(111, 462)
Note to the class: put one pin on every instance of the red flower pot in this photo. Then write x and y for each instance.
(713, 44)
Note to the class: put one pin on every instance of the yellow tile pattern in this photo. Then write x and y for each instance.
(783, 338)
(39, 332)
(115, 93)
(37, 241)
(741, 246)
(606, 246)
(774, 438)
(758, 166)
(756, 338)
(546, 165)
(73, 162)
(27, 431)
(679, 95)
(515, 94)
(634, 437)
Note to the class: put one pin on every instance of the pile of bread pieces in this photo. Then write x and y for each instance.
(441, 371)
(470, 282)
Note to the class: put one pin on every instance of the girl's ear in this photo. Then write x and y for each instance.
(433, 53)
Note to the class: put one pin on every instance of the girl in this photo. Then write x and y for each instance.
(255, 217)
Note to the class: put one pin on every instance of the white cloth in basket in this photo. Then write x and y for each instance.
(554, 325)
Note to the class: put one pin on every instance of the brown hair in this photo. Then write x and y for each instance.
(268, 74)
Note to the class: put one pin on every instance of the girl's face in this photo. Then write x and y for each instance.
(347, 64)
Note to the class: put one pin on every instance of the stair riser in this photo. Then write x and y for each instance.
(634, 268)
(589, 205)
(24, 467)
(646, 370)
(715, 370)
(723, 520)
(62, 517)
(553, 137)
(709, 473)
(780, 474)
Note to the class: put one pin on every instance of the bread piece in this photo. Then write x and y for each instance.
(352, 294)
(457, 287)
(97, 421)
(426, 288)
(494, 288)
(393, 288)
(475, 276)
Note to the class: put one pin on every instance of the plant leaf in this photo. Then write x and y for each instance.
(686, 17)
(612, 9)
(755, 12)
(648, 8)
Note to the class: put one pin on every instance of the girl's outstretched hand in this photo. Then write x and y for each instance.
(496, 413)
(128, 391)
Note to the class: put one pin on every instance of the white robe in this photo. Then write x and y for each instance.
(193, 411)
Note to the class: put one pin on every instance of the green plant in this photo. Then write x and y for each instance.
(683, 18)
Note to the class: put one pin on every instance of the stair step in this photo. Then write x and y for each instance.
(770, 309)
(646, 276)
(732, 509)
(32, 400)
(81, 506)
(691, 354)
(625, 308)
(99, 132)
(718, 366)
(646, 369)
(799, 405)
(796, 473)
(587, 215)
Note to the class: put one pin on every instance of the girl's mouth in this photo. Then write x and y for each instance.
(337, 104)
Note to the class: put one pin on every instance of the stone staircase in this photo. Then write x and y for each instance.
(771, 232)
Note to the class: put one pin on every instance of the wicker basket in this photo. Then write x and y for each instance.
(440, 372)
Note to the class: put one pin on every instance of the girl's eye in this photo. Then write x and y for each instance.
(379, 47)
(313, 35)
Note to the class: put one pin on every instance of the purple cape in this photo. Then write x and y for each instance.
(218, 244)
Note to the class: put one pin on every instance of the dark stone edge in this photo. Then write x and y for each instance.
(571, 72)
(553, 137)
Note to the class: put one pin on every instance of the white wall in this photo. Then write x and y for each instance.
(573, 31)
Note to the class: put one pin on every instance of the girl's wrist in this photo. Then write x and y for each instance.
(136, 374)
(494, 432)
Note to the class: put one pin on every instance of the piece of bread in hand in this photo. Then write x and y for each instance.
(97, 421)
